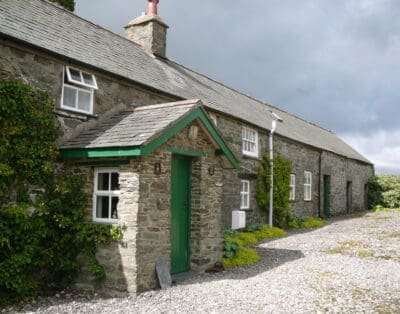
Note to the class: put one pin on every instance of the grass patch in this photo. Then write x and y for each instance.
(394, 235)
(364, 254)
(338, 250)
(351, 244)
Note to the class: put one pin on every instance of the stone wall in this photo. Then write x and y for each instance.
(342, 170)
(46, 73)
(118, 259)
(303, 158)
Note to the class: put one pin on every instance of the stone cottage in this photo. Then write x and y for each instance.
(167, 152)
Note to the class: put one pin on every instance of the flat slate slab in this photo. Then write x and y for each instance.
(163, 274)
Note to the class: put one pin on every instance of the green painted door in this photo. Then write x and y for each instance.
(180, 213)
(327, 196)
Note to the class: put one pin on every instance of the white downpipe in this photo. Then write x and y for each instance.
(271, 159)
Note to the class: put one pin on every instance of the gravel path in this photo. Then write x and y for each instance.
(350, 266)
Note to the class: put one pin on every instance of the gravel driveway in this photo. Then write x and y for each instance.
(350, 266)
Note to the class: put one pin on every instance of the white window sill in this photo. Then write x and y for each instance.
(107, 221)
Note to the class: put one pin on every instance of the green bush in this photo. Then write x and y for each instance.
(68, 4)
(244, 256)
(267, 232)
(312, 222)
(281, 201)
(235, 253)
(248, 238)
(384, 190)
(40, 240)
(306, 222)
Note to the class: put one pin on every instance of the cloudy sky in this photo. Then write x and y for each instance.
(335, 63)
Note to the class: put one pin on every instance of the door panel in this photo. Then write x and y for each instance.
(180, 213)
(327, 196)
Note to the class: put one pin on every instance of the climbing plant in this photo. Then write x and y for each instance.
(281, 190)
(40, 237)
(68, 4)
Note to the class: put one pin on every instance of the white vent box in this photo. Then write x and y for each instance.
(238, 219)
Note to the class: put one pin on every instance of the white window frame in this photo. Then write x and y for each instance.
(243, 193)
(82, 81)
(109, 193)
(307, 185)
(292, 196)
(78, 86)
(250, 141)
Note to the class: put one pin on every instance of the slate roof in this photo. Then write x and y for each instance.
(135, 127)
(58, 31)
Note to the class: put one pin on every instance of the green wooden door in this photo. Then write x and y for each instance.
(327, 196)
(180, 213)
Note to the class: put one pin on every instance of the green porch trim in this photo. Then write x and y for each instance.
(186, 152)
(105, 163)
(198, 113)
(75, 153)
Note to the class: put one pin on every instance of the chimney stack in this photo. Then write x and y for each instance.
(149, 31)
(152, 7)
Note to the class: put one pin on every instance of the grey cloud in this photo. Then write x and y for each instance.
(332, 62)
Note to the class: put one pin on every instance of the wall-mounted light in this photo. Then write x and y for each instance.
(211, 170)
(157, 168)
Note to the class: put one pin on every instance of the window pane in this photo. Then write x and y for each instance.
(102, 206)
(75, 75)
(84, 100)
(114, 210)
(69, 98)
(103, 182)
(114, 181)
(88, 79)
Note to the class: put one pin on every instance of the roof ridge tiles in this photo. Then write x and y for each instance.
(169, 104)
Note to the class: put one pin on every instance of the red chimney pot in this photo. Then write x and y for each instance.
(152, 8)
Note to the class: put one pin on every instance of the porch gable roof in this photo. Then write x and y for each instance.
(141, 131)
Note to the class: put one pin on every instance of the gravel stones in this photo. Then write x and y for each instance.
(319, 271)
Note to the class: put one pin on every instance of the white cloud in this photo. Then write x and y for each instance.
(381, 147)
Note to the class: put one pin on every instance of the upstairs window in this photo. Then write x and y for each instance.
(307, 185)
(78, 90)
(245, 194)
(292, 196)
(249, 142)
(106, 195)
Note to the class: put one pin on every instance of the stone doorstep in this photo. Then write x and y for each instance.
(182, 277)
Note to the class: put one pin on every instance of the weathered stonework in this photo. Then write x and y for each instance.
(144, 211)
(150, 32)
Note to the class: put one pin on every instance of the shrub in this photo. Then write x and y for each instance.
(248, 238)
(40, 240)
(244, 256)
(68, 4)
(281, 202)
(312, 222)
(306, 222)
(267, 232)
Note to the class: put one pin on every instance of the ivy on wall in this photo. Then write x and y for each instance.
(281, 203)
(40, 239)
(68, 4)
